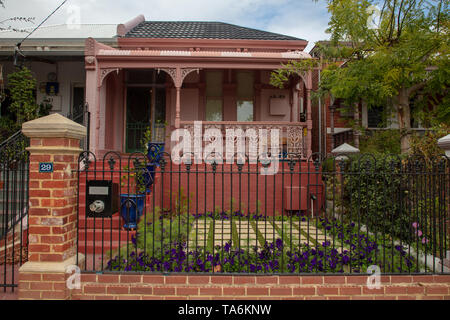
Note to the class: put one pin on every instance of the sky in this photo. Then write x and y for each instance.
(305, 19)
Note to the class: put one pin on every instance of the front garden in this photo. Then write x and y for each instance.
(263, 245)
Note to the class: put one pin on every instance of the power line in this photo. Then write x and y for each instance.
(17, 49)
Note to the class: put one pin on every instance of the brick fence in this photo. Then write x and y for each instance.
(239, 287)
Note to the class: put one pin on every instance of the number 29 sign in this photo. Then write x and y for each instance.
(45, 166)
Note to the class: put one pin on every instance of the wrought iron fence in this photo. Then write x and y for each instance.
(336, 215)
(14, 178)
(80, 114)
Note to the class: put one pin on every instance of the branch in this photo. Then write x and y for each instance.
(392, 19)
(439, 16)
(399, 31)
(416, 87)
(412, 4)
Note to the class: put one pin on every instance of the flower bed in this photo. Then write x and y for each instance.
(163, 247)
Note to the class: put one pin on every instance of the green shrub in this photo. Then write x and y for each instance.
(162, 233)
(426, 144)
(375, 194)
(7, 128)
(380, 142)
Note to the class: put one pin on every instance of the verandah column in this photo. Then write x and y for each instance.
(178, 74)
(178, 107)
(309, 122)
(54, 149)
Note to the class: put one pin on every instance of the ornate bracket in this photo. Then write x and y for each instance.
(178, 74)
(172, 72)
(307, 79)
(104, 73)
(186, 71)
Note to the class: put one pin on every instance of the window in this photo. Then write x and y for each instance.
(375, 117)
(245, 111)
(244, 96)
(77, 104)
(145, 77)
(214, 96)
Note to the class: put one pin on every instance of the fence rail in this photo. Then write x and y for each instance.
(315, 216)
(14, 179)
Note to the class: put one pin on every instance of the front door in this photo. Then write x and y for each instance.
(146, 105)
(138, 116)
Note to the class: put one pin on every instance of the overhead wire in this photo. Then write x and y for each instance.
(17, 51)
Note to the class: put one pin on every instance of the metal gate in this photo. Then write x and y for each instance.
(14, 177)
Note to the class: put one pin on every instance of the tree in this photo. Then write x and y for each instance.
(406, 54)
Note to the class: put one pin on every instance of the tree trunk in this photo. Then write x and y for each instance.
(404, 119)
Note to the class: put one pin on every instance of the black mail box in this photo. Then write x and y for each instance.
(102, 198)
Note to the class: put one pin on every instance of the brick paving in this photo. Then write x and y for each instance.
(246, 233)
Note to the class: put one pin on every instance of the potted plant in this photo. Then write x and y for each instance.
(132, 202)
(154, 141)
(154, 145)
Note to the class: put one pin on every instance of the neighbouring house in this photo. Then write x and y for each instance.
(332, 121)
(55, 55)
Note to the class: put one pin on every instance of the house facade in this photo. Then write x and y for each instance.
(180, 72)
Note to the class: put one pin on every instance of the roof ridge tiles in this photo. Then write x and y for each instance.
(202, 30)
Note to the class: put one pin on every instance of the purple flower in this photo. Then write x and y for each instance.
(326, 243)
(279, 243)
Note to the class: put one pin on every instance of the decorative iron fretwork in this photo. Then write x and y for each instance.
(295, 139)
(104, 73)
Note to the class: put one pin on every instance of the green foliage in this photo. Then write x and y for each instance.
(157, 136)
(7, 128)
(426, 144)
(147, 138)
(162, 233)
(182, 202)
(280, 77)
(405, 54)
(23, 107)
(44, 108)
(374, 195)
(380, 141)
(22, 85)
(133, 180)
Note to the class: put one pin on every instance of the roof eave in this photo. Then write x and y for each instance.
(216, 43)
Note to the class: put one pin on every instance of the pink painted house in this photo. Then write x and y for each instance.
(180, 72)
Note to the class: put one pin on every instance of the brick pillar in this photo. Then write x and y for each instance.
(52, 214)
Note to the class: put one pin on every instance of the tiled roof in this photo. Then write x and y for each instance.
(201, 30)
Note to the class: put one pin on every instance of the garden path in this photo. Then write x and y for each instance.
(253, 233)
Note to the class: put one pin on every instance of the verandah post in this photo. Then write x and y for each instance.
(54, 149)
